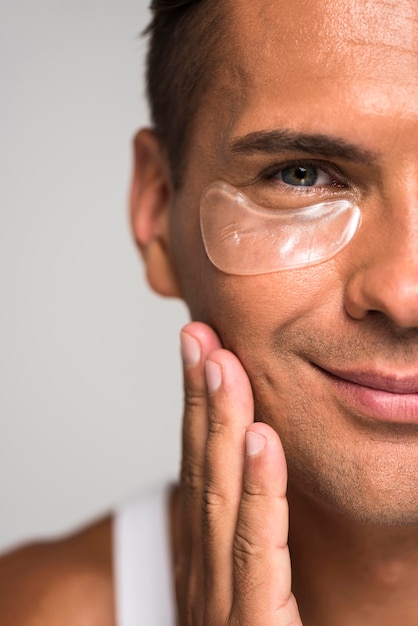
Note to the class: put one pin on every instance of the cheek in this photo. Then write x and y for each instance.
(267, 321)
(250, 311)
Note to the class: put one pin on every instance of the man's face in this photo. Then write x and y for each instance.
(332, 349)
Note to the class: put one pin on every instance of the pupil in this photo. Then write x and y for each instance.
(301, 173)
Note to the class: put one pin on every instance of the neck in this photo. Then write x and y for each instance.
(367, 574)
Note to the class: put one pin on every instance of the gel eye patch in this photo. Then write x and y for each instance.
(243, 238)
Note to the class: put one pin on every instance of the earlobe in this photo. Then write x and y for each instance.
(151, 195)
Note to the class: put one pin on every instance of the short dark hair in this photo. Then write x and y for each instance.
(182, 58)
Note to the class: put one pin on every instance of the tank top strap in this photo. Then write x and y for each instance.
(142, 563)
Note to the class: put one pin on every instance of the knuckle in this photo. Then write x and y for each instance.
(244, 547)
(191, 476)
(212, 501)
(194, 399)
(252, 489)
(212, 511)
(216, 426)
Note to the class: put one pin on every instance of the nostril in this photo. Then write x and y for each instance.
(384, 289)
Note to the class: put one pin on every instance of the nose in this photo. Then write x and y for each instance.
(386, 278)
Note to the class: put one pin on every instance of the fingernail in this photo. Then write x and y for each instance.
(254, 443)
(190, 349)
(213, 376)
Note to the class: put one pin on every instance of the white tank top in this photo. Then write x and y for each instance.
(142, 563)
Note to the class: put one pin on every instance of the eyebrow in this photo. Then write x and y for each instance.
(271, 142)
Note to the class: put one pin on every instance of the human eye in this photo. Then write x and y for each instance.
(304, 175)
(298, 183)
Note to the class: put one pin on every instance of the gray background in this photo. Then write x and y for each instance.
(90, 397)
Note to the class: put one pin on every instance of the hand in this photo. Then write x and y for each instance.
(231, 515)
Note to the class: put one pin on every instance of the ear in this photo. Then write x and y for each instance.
(151, 196)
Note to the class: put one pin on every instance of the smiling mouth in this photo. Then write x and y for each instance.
(382, 397)
(391, 384)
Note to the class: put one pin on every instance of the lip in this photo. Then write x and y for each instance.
(382, 397)
(391, 384)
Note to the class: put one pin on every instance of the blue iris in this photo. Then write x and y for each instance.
(301, 176)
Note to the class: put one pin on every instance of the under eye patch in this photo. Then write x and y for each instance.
(241, 237)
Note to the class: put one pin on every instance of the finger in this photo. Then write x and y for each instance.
(197, 341)
(230, 412)
(262, 571)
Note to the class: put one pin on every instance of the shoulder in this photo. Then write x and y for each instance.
(66, 582)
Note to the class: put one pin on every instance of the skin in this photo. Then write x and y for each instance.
(345, 70)
(352, 479)
(359, 310)
(68, 581)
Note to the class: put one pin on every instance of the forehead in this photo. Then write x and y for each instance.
(362, 35)
(287, 61)
(324, 23)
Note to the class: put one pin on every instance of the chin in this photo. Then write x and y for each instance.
(395, 506)
(369, 477)
(366, 490)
